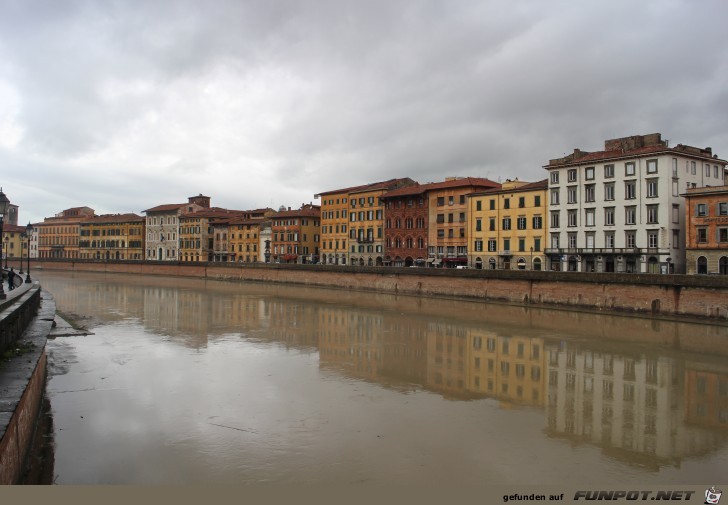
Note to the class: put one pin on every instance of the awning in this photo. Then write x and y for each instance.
(436, 262)
(430, 260)
(455, 260)
(289, 257)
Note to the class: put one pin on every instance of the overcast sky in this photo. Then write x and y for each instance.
(125, 105)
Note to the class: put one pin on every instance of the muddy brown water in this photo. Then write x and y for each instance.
(199, 381)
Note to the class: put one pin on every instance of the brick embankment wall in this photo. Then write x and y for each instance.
(22, 387)
(665, 295)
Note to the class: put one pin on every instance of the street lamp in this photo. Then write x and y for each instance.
(531, 257)
(28, 233)
(22, 240)
(4, 204)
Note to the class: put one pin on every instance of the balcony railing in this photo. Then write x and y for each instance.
(599, 250)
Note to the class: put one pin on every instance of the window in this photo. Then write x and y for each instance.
(723, 209)
(440, 201)
(651, 166)
(555, 196)
(554, 240)
(674, 167)
(609, 216)
(609, 191)
(572, 240)
(652, 236)
(537, 244)
(537, 201)
(478, 225)
(676, 214)
(521, 202)
(676, 239)
(554, 177)
(521, 244)
(723, 235)
(630, 239)
(492, 204)
(707, 170)
(537, 222)
(675, 189)
(590, 240)
(589, 214)
(652, 214)
(630, 215)
(491, 224)
(715, 171)
(555, 219)
(589, 174)
(478, 245)
(651, 188)
(506, 203)
(491, 245)
(702, 235)
(571, 194)
(630, 190)
(506, 244)
(589, 193)
(608, 171)
(506, 223)
(572, 218)
(629, 169)
(701, 210)
(571, 175)
(451, 200)
(521, 222)
(609, 240)
(478, 205)
(693, 168)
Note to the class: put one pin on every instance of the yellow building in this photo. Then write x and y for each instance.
(58, 236)
(508, 228)
(112, 236)
(448, 218)
(15, 244)
(510, 368)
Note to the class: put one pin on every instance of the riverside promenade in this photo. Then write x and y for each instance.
(26, 320)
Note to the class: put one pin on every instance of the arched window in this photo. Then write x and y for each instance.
(723, 265)
(537, 263)
(491, 263)
(521, 263)
(702, 265)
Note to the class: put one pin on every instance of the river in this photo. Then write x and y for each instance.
(187, 381)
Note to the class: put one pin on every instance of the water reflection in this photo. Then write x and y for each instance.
(645, 392)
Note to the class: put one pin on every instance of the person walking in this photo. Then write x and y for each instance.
(11, 279)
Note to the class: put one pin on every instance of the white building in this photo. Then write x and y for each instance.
(620, 210)
(162, 227)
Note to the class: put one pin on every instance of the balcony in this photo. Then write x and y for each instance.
(626, 251)
(365, 240)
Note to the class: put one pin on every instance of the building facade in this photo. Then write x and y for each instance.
(448, 218)
(296, 235)
(244, 239)
(112, 237)
(406, 217)
(620, 209)
(58, 236)
(507, 229)
(163, 228)
(706, 217)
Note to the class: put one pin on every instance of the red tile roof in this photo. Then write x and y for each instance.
(368, 187)
(114, 218)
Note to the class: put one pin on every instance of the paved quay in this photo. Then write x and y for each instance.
(22, 383)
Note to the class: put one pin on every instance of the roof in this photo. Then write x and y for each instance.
(459, 182)
(214, 212)
(369, 187)
(614, 151)
(245, 221)
(166, 207)
(531, 186)
(114, 218)
(314, 211)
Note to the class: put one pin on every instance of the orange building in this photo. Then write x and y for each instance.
(341, 210)
(244, 237)
(706, 230)
(448, 218)
(296, 235)
(58, 236)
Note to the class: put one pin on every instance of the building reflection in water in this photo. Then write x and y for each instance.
(651, 408)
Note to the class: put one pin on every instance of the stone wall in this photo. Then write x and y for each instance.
(665, 295)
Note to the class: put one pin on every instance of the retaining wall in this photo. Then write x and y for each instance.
(666, 295)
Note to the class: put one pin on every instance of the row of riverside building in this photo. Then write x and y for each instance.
(639, 205)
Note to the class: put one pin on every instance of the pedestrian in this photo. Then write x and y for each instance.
(11, 279)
